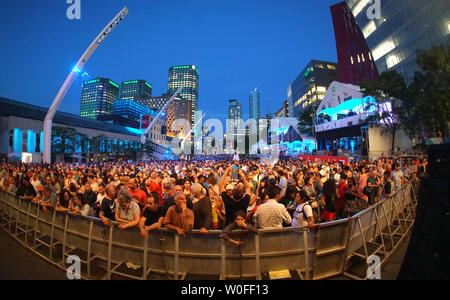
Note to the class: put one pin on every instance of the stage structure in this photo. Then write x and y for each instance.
(70, 79)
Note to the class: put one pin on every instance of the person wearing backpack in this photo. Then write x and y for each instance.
(303, 215)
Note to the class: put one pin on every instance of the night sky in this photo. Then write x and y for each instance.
(237, 45)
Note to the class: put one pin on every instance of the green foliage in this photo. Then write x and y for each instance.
(305, 121)
(427, 102)
(422, 108)
(389, 87)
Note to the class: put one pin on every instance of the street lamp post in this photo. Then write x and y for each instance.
(70, 79)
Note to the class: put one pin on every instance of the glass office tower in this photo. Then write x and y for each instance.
(254, 104)
(135, 89)
(310, 87)
(403, 28)
(187, 75)
(97, 97)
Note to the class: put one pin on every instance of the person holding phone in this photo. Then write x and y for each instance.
(240, 198)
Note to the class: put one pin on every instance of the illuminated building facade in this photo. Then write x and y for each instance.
(156, 103)
(21, 131)
(126, 113)
(188, 76)
(97, 97)
(284, 111)
(179, 109)
(402, 28)
(135, 89)
(355, 61)
(310, 86)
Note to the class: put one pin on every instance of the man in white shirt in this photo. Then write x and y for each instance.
(35, 182)
(272, 214)
(398, 177)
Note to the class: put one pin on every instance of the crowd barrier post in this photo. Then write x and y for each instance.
(17, 216)
(306, 251)
(144, 259)
(379, 228)
(257, 258)
(89, 248)
(52, 232)
(388, 224)
(36, 222)
(111, 228)
(363, 236)
(26, 222)
(398, 212)
(177, 248)
(66, 221)
(163, 248)
(222, 260)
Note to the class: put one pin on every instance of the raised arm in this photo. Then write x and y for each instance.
(222, 180)
(248, 189)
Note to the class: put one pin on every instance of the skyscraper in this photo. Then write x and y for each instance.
(235, 110)
(355, 62)
(135, 89)
(402, 28)
(188, 76)
(254, 104)
(310, 86)
(97, 97)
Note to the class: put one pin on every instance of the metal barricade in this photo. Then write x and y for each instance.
(319, 253)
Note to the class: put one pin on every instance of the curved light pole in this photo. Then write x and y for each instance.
(69, 80)
(144, 135)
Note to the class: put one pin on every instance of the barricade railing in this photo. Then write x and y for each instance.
(319, 253)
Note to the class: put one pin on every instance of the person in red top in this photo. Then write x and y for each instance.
(340, 205)
(155, 186)
(135, 191)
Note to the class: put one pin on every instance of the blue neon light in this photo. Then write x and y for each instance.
(18, 140)
(41, 149)
(135, 131)
(31, 141)
(355, 105)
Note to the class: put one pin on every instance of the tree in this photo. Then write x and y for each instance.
(428, 100)
(63, 140)
(390, 87)
(305, 121)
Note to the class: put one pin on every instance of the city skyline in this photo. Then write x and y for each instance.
(127, 55)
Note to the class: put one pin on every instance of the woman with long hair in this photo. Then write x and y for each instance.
(329, 197)
(65, 201)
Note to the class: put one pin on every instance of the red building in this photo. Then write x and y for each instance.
(355, 61)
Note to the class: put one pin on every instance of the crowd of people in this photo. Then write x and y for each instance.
(209, 194)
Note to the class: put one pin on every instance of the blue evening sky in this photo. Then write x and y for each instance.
(237, 45)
